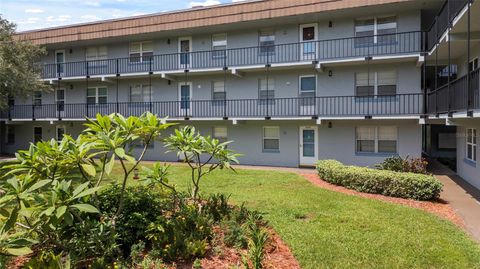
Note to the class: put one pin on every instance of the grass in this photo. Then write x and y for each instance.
(325, 229)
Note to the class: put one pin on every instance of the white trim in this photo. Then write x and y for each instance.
(64, 61)
(308, 160)
(376, 138)
(180, 39)
(473, 133)
(270, 137)
(315, 39)
(180, 84)
(307, 76)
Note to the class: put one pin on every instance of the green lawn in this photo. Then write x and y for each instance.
(326, 229)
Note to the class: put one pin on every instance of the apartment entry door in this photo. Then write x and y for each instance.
(60, 100)
(184, 49)
(60, 62)
(308, 145)
(308, 44)
(185, 96)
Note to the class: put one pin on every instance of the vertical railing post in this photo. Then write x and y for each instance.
(449, 107)
(469, 88)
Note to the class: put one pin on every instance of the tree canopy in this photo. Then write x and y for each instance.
(18, 75)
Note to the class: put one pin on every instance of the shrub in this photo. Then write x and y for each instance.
(399, 164)
(142, 206)
(389, 183)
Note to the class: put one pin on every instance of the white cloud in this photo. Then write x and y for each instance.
(90, 17)
(204, 4)
(34, 10)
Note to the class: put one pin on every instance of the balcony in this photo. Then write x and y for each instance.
(406, 43)
(399, 105)
(443, 20)
(461, 95)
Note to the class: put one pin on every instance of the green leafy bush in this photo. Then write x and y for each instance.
(389, 183)
(142, 206)
(399, 164)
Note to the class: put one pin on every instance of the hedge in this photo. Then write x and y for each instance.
(389, 183)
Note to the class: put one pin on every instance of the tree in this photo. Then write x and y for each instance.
(203, 154)
(19, 76)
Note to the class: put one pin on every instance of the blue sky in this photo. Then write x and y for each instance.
(35, 14)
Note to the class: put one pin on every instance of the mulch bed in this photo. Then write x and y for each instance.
(439, 207)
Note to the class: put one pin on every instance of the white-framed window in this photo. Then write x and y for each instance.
(141, 52)
(266, 89)
(220, 133)
(471, 146)
(219, 45)
(37, 98)
(375, 30)
(218, 91)
(140, 93)
(9, 134)
(381, 83)
(271, 138)
(266, 41)
(97, 95)
(376, 139)
(473, 64)
(96, 54)
(308, 88)
(37, 134)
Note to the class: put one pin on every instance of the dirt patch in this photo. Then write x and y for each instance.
(277, 256)
(439, 207)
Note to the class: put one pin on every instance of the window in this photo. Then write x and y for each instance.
(387, 139)
(473, 64)
(382, 139)
(383, 83)
(218, 92)
(386, 83)
(471, 145)
(220, 133)
(307, 90)
(271, 138)
(96, 53)
(378, 30)
(10, 134)
(140, 93)
(141, 52)
(266, 90)
(97, 95)
(37, 98)
(219, 45)
(37, 134)
(266, 40)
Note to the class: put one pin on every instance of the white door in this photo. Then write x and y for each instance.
(185, 96)
(60, 62)
(308, 145)
(60, 101)
(308, 44)
(184, 49)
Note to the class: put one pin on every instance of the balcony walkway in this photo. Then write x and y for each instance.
(462, 196)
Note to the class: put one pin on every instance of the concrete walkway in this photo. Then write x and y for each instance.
(462, 196)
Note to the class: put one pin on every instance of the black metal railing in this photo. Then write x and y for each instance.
(461, 95)
(324, 106)
(367, 46)
(444, 18)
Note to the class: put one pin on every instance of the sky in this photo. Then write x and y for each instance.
(36, 14)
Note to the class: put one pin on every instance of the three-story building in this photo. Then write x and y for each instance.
(290, 82)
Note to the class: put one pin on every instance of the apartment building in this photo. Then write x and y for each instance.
(290, 82)
(452, 89)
